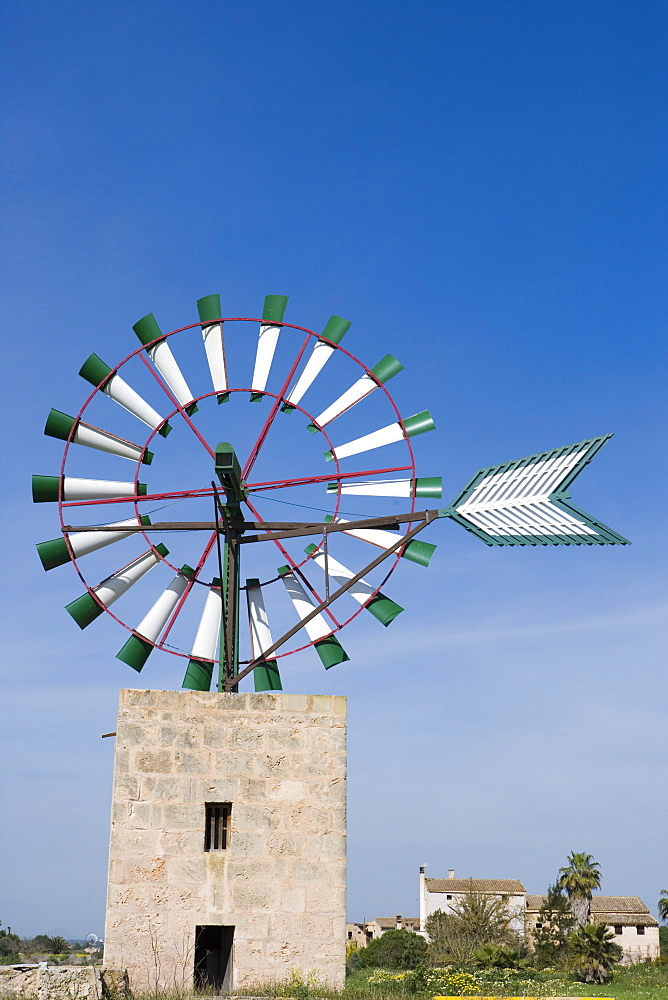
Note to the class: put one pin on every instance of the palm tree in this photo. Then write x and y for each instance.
(578, 878)
(663, 905)
(593, 953)
(58, 945)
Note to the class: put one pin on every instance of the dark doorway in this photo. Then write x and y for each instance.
(213, 957)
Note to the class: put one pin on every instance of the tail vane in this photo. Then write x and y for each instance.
(525, 502)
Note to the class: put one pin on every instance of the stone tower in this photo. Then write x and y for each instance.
(227, 861)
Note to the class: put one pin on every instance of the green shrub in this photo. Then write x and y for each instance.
(394, 950)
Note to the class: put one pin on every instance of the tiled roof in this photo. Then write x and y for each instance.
(511, 886)
(627, 919)
(622, 904)
(626, 910)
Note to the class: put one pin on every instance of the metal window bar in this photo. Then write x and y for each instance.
(216, 826)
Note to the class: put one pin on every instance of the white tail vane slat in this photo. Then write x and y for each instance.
(88, 607)
(266, 675)
(160, 353)
(95, 371)
(334, 331)
(381, 607)
(270, 328)
(139, 646)
(363, 387)
(420, 423)
(525, 502)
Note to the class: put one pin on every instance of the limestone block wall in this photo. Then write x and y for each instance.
(637, 947)
(280, 760)
(61, 982)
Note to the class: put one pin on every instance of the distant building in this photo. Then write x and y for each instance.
(446, 893)
(369, 930)
(635, 929)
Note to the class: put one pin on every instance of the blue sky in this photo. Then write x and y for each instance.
(480, 188)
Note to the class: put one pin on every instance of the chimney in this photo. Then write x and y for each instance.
(399, 922)
(451, 873)
(423, 897)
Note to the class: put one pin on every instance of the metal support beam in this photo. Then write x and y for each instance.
(342, 590)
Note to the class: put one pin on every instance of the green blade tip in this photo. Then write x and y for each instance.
(135, 652)
(84, 610)
(147, 329)
(384, 609)
(209, 309)
(198, 675)
(45, 489)
(53, 553)
(274, 308)
(330, 651)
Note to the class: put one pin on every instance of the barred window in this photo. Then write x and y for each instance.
(640, 928)
(217, 826)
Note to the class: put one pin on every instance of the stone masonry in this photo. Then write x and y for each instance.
(61, 982)
(280, 760)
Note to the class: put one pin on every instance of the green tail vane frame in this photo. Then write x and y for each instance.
(313, 593)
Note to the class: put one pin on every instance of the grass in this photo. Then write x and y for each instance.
(640, 982)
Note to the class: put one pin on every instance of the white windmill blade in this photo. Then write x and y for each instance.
(87, 608)
(381, 373)
(525, 502)
(140, 645)
(272, 317)
(56, 553)
(205, 650)
(59, 425)
(335, 330)
(214, 344)
(419, 423)
(45, 489)
(427, 487)
(415, 549)
(99, 374)
(265, 675)
(160, 353)
(326, 645)
(380, 606)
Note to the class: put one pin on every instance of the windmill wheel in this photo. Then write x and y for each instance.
(311, 442)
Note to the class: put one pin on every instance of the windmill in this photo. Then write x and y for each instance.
(525, 502)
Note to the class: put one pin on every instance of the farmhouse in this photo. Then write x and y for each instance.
(635, 929)
(446, 893)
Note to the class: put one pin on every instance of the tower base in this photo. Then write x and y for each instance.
(227, 860)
